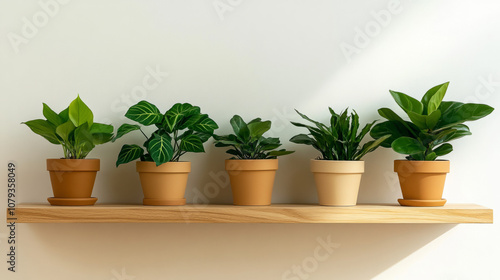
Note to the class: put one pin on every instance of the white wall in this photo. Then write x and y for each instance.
(253, 58)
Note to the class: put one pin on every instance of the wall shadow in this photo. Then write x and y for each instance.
(221, 251)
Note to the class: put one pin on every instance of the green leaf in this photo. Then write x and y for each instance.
(129, 153)
(205, 125)
(144, 113)
(237, 123)
(188, 121)
(407, 103)
(464, 112)
(240, 128)
(280, 153)
(431, 156)
(318, 124)
(432, 119)
(255, 120)
(270, 147)
(460, 130)
(64, 130)
(234, 153)
(435, 96)
(407, 146)
(419, 120)
(393, 128)
(84, 142)
(160, 148)
(364, 131)
(64, 115)
(124, 129)
(101, 138)
(175, 115)
(302, 139)
(389, 115)
(370, 147)
(203, 136)
(225, 143)
(80, 113)
(443, 149)
(101, 128)
(44, 129)
(257, 129)
(51, 116)
(192, 143)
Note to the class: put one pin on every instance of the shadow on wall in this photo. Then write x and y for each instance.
(219, 251)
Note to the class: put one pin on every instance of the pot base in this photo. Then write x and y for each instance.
(421, 203)
(59, 201)
(161, 202)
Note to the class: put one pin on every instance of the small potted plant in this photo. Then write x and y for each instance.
(254, 163)
(182, 129)
(432, 124)
(73, 176)
(338, 170)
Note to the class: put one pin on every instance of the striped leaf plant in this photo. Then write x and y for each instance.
(182, 129)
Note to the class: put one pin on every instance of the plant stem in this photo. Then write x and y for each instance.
(143, 133)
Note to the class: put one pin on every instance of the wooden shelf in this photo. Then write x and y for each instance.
(277, 213)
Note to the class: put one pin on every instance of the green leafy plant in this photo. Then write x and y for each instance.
(247, 141)
(73, 128)
(183, 128)
(433, 123)
(340, 140)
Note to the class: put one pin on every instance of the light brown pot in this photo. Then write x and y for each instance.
(422, 182)
(252, 180)
(164, 184)
(72, 180)
(337, 181)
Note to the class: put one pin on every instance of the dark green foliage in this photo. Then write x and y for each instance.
(180, 130)
(432, 124)
(340, 139)
(247, 141)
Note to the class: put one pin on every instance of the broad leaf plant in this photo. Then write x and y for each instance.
(248, 141)
(182, 129)
(432, 124)
(73, 128)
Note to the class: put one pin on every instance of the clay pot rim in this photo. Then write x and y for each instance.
(70, 164)
(422, 166)
(251, 164)
(337, 166)
(167, 167)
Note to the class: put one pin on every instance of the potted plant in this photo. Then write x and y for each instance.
(432, 124)
(338, 170)
(73, 176)
(182, 129)
(254, 163)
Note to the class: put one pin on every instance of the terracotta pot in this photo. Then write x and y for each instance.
(164, 184)
(337, 181)
(422, 182)
(72, 180)
(252, 180)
